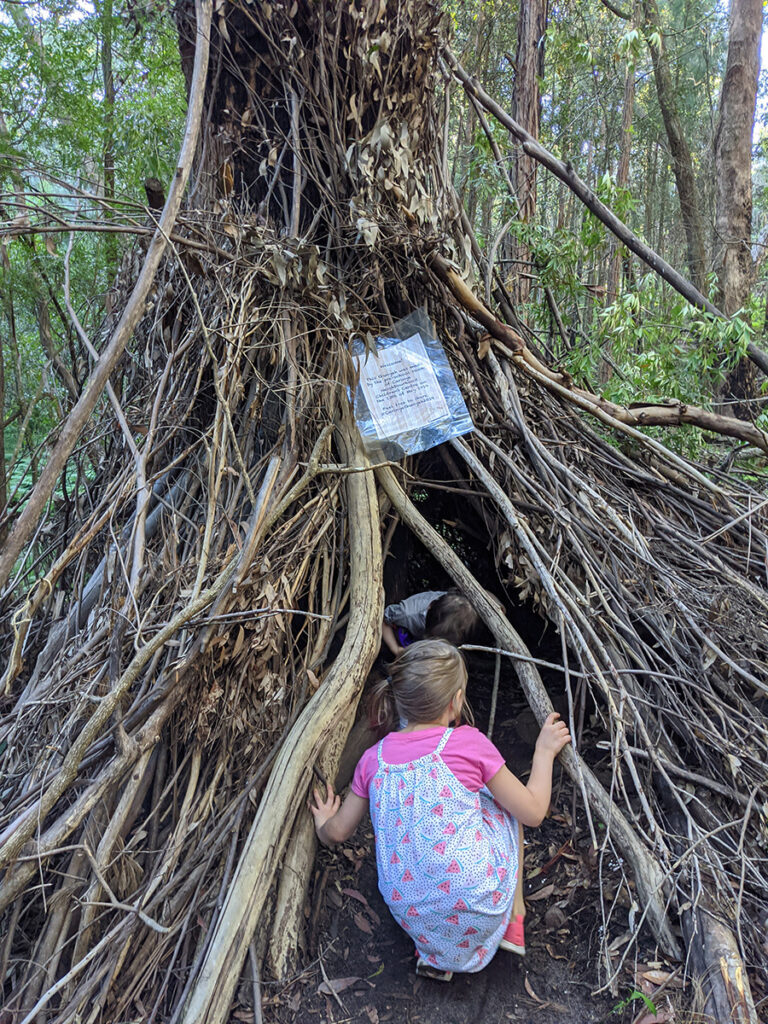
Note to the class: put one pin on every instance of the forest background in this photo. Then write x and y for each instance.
(653, 106)
(92, 103)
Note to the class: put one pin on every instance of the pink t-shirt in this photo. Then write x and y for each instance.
(469, 754)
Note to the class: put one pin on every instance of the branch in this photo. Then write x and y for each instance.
(624, 15)
(566, 174)
(670, 414)
(81, 413)
(327, 713)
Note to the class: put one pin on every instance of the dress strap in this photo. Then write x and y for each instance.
(443, 740)
(379, 747)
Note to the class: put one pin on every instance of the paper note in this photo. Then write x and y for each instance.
(401, 388)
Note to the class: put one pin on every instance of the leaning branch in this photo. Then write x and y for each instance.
(80, 414)
(566, 174)
(669, 414)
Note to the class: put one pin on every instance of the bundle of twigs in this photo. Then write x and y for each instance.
(190, 632)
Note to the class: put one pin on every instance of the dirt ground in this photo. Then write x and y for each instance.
(359, 965)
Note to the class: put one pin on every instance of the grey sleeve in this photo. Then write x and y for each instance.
(411, 613)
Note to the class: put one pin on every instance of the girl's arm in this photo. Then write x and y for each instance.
(530, 803)
(334, 821)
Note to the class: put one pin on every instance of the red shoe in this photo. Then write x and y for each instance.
(514, 936)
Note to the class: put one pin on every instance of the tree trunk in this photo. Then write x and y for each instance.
(733, 181)
(682, 161)
(108, 82)
(622, 176)
(526, 104)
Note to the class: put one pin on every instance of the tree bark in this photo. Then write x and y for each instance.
(526, 104)
(733, 177)
(682, 161)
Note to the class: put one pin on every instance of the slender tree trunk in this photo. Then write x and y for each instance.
(3, 484)
(682, 162)
(622, 174)
(109, 129)
(618, 252)
(733, 178)
(526, 103)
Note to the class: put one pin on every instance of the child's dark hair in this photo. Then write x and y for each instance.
(422, 682)
(451, 617)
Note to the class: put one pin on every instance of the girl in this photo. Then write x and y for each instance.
(446, 813)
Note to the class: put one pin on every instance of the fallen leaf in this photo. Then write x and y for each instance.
(327, 988)
(362, 924)
(658, 977)
(663, 1017)
(542, 893)
(531, 993)
(355, 895)
(372, 1014)
(554, 918)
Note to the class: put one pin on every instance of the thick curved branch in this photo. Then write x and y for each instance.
(327, 712)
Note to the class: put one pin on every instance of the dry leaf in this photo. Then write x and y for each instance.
(327, 988)
(541, 894)
(362, 924)
(355, 895)
(554, 918)
(553, 954)
(372, 1014)
(658, 977)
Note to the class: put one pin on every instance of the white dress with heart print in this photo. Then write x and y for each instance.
(447, 860)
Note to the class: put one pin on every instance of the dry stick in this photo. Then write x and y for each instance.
(66, 227)
(211, 996)
(553, 590)
(648, 876)
(258, 1017)
(566, 174)
(98, 721)
(494, 695)
(134, 309)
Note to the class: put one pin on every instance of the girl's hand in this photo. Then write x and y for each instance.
(323, 810)
(553, 736)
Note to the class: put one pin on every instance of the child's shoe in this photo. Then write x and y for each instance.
(514, 936)
(425, 970)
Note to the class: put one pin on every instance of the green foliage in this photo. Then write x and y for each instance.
(54, 128)
(635, 996)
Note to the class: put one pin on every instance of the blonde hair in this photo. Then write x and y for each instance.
(423, 681)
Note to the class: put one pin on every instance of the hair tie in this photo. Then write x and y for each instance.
(388, 680)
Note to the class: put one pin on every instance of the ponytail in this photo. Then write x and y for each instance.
(382, 710)
(425, 676)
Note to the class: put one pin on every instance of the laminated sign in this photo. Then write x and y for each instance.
(407, 399)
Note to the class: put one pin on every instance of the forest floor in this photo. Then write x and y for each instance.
(359, 965)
